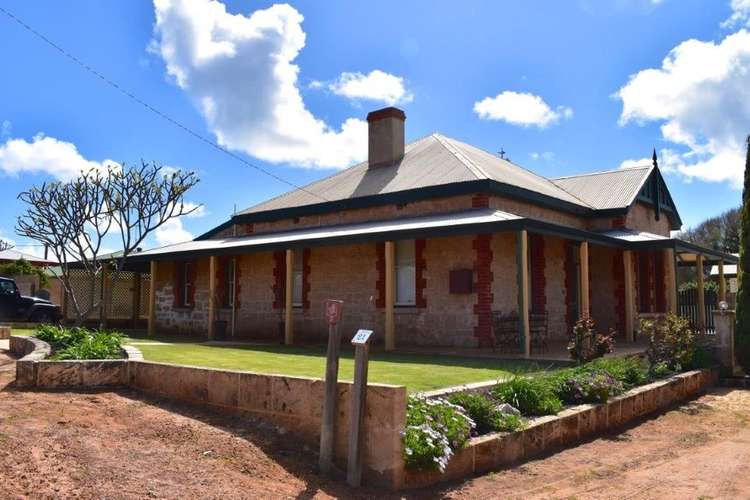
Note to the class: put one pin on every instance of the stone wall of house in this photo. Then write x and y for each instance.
(602, 286)
(642, 218)
(554, 273)
(181, 320)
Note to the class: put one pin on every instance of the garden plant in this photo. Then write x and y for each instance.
(80, 342)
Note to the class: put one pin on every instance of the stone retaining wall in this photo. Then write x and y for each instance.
(545, 434)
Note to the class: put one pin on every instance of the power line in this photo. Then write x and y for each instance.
(149, 107)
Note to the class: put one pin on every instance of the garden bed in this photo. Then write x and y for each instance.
(571, 425)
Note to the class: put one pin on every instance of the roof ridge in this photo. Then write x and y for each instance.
(521, 167)
(475, 169)
(601, 172)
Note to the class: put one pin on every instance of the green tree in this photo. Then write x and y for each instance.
(742, 332)
(23, 267)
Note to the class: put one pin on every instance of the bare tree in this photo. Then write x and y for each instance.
(126, 203)
(4, 245)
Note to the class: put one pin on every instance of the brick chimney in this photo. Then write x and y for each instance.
(385, 137)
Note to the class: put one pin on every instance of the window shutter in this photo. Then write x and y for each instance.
(191, 280)
(178, 284)
(380, 268)
(279, 274)
(306, 278)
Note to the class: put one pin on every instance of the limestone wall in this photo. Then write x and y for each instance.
(643, 218)
(294, 403)
(554, 273)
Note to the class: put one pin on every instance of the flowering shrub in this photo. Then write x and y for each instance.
(589, 387)
(531, 395)
(434, 429)
(671, 343)
(631, 371)
(485, 413)
(587, 344)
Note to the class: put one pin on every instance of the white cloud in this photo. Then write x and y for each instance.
(376, 86)
(546, 155)
(172, 232)
(519, 108)
(701, 97)
(740, 14)
(240, 72)
(198, 210)
(48, 155)
(643, 162)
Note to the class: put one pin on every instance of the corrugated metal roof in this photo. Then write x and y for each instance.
(302, 236)
(14, 255)
(431, 161)
(629, 235)
(605, 190)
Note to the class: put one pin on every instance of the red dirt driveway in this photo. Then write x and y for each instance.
(123, 445)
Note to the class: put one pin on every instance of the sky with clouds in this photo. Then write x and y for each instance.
(561, 87)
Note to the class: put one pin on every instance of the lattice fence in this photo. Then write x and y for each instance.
(121, 295)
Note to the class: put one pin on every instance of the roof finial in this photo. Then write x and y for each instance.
(655, 161)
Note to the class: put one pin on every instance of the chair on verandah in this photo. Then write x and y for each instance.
(505, 329)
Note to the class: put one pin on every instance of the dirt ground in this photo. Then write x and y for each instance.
(123, 445)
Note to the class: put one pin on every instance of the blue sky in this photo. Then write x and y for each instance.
(563, 87)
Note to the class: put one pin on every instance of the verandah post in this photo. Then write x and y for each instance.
(152, 300)
(627, 259)
(522, 273)
(701, 295)
(212, 267)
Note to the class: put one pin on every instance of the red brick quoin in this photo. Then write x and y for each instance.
(483, 288)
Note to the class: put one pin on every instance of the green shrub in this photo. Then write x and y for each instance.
(434, 429)
(531, 395)
(671, 342)
(590, 386)
(586, 343)
(632, 371)
(81, 343)
(704, 356)
(483, 411)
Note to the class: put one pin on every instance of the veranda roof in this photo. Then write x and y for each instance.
(428, 226)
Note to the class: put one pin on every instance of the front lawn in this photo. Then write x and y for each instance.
(417, 372)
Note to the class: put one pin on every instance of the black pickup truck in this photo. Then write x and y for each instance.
(16, 307)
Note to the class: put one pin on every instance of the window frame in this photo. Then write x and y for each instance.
(229, 285)
(405, 264)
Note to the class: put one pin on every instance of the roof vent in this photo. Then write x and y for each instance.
(385, 137)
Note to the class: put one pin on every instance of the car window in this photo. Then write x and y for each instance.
(7, 287)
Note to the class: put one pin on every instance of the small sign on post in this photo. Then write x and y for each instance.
(361, 343)
(333, 310)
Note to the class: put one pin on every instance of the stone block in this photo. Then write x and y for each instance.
(223, 389)
(533, 440)
(509, 448)
(461, 464)
(154, 378)
(4, 332)
(627, 409)
(586, 421)
(25, 373)
(254, 392)
(59, 374)
(485, 453)
(638, 404)
(103, 373)
(192, 384)
(600, 418)
(692, 383)
(293, 396)
(650, 399)
(552, 431)
(614, 413)
(569, 422)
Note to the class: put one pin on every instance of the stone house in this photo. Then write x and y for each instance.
(426, 243)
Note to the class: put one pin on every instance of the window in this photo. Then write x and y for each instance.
(228, 283)
(7, 287)
(406, 274)
(297, 278)
(186, 277)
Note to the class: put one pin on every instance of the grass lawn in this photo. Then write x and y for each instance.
(417, 372)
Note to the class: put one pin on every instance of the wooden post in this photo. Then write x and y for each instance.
(213, 263)
(327, 429)
(722, 282)
(135, 314)
(627, 259)
(585, 302)
(700, 293)
(361, 343)
(522, 275)
(289, 293)
(670, 275)
(390, 295)
(152, 301)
